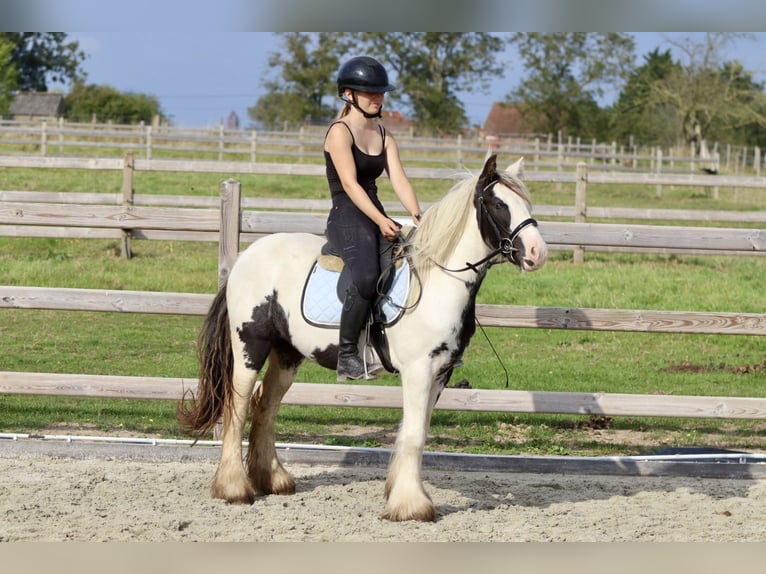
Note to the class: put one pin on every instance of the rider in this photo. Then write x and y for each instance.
(357, 149)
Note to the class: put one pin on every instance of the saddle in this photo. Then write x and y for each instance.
(325, 288)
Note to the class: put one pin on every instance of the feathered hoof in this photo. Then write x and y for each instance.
(423, 513)
(276, 482)
(407, 500)
(233, 495)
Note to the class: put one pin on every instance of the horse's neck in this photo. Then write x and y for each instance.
(468, 251)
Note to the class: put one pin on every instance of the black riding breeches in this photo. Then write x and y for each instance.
(356, 239)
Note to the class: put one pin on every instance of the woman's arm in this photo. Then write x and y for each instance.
(400, 181)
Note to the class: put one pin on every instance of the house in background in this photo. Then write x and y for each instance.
(504, 120)
(37, 106)
(395, 121)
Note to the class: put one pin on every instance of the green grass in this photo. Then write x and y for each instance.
(536, 359)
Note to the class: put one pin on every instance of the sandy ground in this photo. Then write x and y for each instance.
(54, 498)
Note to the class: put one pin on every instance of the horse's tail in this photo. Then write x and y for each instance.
(198, 414)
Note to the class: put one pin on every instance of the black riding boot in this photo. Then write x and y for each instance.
(353, 317)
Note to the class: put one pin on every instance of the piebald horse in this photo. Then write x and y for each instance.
(255, 322)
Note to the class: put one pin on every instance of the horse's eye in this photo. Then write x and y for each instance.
(499, 203)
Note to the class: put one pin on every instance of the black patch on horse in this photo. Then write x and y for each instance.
(268, 330)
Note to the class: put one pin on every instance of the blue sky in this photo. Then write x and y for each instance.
(199, 78)
(205, 58)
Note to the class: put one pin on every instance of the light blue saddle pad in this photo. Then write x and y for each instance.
(320, 305)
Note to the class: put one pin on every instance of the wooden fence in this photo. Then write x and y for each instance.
(141, 216)
(229, 224)
(52, 138)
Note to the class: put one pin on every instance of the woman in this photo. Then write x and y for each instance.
(357, 149)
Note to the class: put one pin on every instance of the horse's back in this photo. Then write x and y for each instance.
(279, 262)
(281, 249)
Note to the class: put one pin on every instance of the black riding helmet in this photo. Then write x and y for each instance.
(364, 74)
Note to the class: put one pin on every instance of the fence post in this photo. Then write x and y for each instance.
(581, 183)
(128, 166)
(693, 157)
(43, 138)
(61, 134)
(228, 245)
(716, 168)
(728, 156)
(252, 145)
(559, 159)
(659, 170)
(228, 235)
(459, 151)
(148, 142)
(220, 142)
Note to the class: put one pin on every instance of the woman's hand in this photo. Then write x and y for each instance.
(389, 228)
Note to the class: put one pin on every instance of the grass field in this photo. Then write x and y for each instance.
(535, 359)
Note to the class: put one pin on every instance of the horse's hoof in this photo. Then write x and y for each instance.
(246, 496)
(277, 482)
(426, 513)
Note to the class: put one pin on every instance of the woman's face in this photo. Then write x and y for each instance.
(370, 102)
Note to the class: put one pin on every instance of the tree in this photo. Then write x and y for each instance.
(431, 67)
(8, 75)
(749, 128)
(305, 76)
(710, 98)
(566, 74)
(108, 104)
(633, 115)
(41, 57)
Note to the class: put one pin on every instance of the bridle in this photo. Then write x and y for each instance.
(504, 242)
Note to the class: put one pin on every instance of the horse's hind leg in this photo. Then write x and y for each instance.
(266, 472)
(230, 481)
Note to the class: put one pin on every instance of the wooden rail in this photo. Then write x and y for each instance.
(345, 395)
(50, 219)
(520, 316)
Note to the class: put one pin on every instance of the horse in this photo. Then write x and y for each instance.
(255, 321)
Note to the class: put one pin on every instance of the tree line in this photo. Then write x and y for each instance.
(31, 61)
(663, 99)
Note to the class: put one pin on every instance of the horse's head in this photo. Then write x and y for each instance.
(503, 213)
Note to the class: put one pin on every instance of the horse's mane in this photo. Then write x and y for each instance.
(442, 224)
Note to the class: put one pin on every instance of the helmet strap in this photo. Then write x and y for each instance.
(355, 103)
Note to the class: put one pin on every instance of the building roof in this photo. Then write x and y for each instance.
(37, 104)
(395, 121)
(504, 119)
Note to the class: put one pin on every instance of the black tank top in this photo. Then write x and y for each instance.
(368, 168)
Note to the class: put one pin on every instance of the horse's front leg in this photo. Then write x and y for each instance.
(406, 498)
(266, 472)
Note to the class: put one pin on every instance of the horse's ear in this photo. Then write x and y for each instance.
(488, 173)
(516, 169)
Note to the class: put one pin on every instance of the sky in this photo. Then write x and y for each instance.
(203, 59)
(200, 79)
